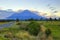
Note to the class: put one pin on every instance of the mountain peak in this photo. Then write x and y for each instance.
(26, 11)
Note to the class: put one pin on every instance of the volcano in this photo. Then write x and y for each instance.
(24, 15)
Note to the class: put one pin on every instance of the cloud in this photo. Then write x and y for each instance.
(4, 14)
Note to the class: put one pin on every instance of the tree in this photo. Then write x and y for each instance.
(55, 19)
(17, 20)
(59, 18)
(50, 19)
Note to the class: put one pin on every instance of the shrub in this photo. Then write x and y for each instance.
(33, 28)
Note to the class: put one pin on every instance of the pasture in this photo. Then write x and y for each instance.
(14, 29)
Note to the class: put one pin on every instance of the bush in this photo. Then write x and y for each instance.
(33, 28)
(18, 23)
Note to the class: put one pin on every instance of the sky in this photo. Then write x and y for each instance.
(45, 6)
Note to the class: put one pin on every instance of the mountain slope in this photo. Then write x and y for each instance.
(26, 14)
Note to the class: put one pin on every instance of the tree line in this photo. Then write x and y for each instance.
(31, 19)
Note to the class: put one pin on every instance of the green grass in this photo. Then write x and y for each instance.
(53, 25)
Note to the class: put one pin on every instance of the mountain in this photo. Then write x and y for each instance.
(4, 13)
(26, 14)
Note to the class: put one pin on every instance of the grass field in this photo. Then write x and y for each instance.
(15, 30)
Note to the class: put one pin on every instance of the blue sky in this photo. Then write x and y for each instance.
(39, 5)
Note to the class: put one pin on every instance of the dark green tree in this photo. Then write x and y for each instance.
(50, 19)
(17, 20)
(55, 19)
(59, 19)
